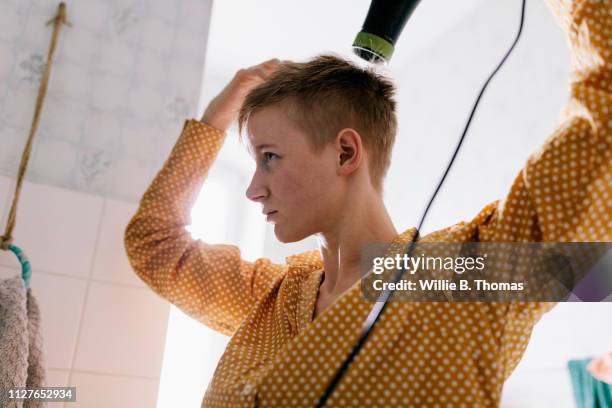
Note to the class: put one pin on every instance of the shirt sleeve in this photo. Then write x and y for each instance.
(210, 283)
(562, 194)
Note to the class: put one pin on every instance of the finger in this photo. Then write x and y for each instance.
(269, 69)
(267, 63)
(262, 73)
(249, 72)
(271, 65)
(273, 61)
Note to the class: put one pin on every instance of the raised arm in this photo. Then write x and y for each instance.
(563, 194)
(208, 282)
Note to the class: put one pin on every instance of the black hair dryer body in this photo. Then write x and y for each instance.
(382, 27)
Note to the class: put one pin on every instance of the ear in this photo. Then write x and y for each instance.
(350, 150)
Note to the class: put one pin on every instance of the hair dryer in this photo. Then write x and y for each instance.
(382, 27)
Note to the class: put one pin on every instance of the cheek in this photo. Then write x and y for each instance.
(308, 188)
(294, 187)
(307, 196)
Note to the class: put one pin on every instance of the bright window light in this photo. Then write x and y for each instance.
(192, 350)
(209, 215)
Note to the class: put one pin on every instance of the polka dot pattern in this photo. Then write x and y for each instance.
(423, 354)
(208, 282)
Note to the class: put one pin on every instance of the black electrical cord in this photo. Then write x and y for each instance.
(381, 303)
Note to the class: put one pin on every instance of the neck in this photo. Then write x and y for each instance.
(361, 222)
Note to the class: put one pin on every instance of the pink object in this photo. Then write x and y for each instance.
(601, 368)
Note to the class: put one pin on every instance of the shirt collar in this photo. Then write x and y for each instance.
(312, 259)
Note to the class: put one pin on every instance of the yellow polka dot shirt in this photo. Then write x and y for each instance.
(420, 354)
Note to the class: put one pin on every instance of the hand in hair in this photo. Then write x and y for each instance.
(224, 108)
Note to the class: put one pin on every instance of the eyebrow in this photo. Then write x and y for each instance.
(260, 147)
(264, 145)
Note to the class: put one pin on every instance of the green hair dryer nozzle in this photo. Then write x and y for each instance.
(382, 27)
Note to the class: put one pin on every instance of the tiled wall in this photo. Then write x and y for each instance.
(124, 76)
(104, 331)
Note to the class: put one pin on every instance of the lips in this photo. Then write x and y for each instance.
(270, 214)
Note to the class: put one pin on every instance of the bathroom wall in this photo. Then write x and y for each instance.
(104, 331)
(125, 76)
(97, 150)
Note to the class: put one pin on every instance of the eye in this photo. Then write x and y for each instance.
(269, 156)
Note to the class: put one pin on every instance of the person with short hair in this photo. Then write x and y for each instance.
(321, 133)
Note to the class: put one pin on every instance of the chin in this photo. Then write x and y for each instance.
(287, 237)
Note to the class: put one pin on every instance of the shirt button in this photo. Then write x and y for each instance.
(248, 388)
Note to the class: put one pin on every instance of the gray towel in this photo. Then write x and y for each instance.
(21, 344)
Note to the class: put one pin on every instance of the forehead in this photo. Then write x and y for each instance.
(273, 126)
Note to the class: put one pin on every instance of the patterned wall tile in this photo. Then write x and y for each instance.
(124, 78)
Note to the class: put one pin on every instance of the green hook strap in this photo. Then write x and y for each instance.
(26, 268)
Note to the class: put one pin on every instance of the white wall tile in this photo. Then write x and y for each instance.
(18, 113)
(8, 21)
(7, 258)
(57, 378)
(12, 148)
(123, 332)
(53, 119)
(61, 301)
(72, 76)
(90, 15)
(103, 391)
(8, 272)
(6, 197)
(56, 228)
(111, 49)
(114, 56)
(53, 159)
(111, 262)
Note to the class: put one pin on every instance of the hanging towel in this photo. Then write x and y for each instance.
(601, 368)
(21, 345)
(588, 391)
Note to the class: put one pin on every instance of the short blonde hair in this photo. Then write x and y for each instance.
(329, 93)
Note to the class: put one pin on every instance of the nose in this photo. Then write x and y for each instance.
(257, 190)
